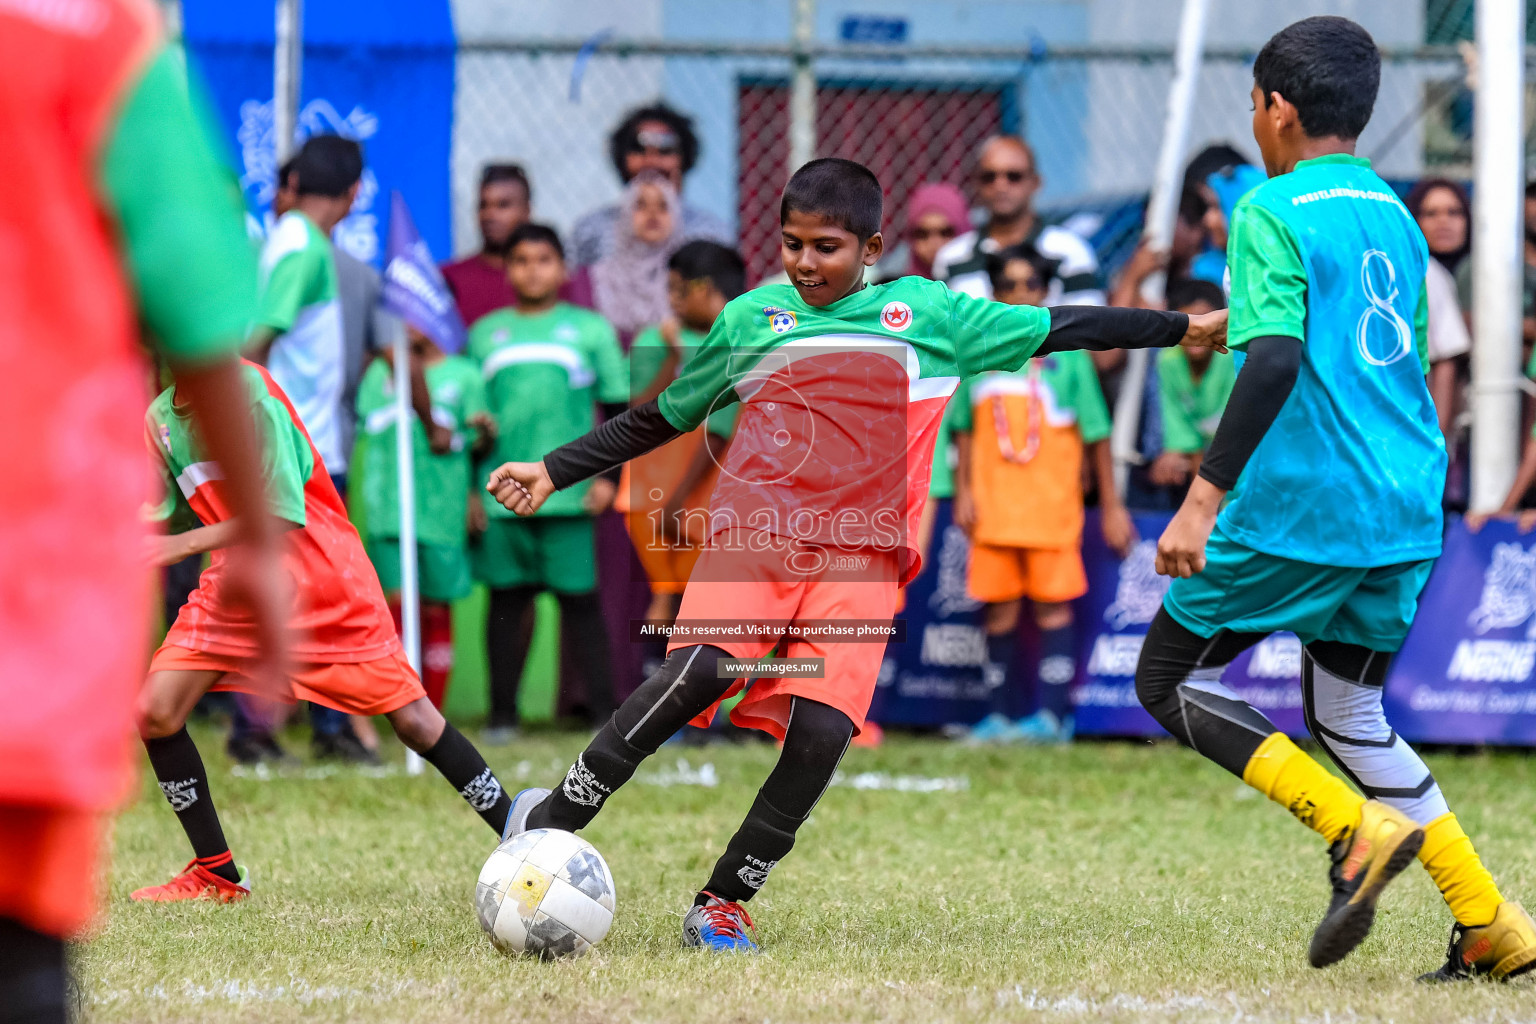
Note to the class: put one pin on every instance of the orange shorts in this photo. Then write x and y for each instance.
(667, 566)
(49, 867)
(358, 687)
(752, 586)
(1047, 575)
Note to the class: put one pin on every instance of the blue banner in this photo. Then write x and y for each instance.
(380, 72)
(934, 678)
(1465, 673)
(414, 289)
(1122, 599)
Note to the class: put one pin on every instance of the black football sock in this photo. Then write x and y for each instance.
(33, 976)
(814, 744)
(1002, 649)
(466, 771)
(184, 781)
(687, 684)
(581, 618)
(508, 635)
(1058, 667)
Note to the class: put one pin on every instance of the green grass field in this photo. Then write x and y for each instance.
(1105, 882)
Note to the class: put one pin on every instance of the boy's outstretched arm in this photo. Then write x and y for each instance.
(524, 486)
(1263, 385)
(1097, 328)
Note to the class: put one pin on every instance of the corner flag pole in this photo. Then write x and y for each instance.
(410, 607)
(1162, 207)
(1498, 146)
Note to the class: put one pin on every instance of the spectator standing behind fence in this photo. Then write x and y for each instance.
(665, 493)
(1193, 389)
(1440, 208)
(1006, 183)
(1019, 494)
(1220, 175)
(546, 364)
(937, 214)
(629, 284)
(446, 489)
(479, 281)
(651, 138)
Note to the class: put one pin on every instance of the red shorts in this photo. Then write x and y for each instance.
(754, 586)
(359, 687)
(50, 867)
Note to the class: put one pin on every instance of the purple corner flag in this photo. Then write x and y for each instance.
(414, 289)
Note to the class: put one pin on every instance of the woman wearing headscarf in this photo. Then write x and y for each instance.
(629, 284)
(1442, 211)
(936, 213)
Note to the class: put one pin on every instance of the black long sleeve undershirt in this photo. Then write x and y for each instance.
(628, 435)
(1266, 380)
(636, 431)
(1100, 328)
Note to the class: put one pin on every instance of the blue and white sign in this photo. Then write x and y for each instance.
(1465, 674)
(380, 72)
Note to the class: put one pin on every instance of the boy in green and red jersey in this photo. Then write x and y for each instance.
(346, 653)
(121, 226)
(1021, 438)
(446, 496)
(842, 387)
(547, 365)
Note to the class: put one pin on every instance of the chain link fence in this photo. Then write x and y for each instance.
(1095, 118)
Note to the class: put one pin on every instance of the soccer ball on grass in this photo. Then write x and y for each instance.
(547, 893)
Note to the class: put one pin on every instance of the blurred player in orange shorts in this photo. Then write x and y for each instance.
(1019, 494)
(842, 386)
(117, 218)
(664, 494)
(346, 652)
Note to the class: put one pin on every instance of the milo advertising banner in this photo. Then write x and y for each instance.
(1112, 619)
(1466, 673)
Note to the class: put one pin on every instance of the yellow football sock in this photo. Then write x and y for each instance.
(1319, 800)
(1468, 888)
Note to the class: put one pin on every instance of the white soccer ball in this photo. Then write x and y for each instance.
(547, 893)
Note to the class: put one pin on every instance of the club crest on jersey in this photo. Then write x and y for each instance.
(780, 320)
(896, 316)
(165, 437)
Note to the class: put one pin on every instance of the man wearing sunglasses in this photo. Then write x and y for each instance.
(1006, 181)
(650, 138)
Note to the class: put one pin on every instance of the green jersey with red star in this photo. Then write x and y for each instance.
(841, 404)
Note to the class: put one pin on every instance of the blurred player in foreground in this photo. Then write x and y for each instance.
(1332, 444)
(109, 180)
(843, 385)
(346, 652)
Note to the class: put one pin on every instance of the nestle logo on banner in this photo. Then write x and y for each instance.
(1115, 655)
(1508, 601)
(949, 594)
(953, 644)
(1139, 591)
